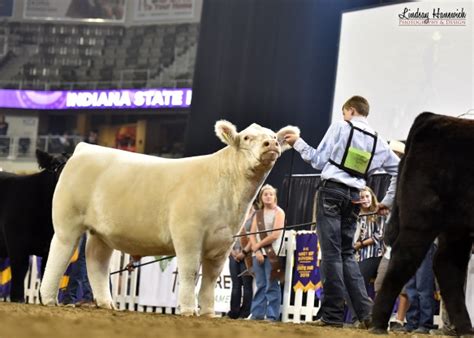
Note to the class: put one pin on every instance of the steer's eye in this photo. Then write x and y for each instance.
(246, 138)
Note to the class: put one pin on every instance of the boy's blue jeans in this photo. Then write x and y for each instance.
(267, 299)
(336, 224)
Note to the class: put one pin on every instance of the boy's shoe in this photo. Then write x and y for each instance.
(321, 322)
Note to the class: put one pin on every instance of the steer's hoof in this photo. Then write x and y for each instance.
(377, 330)
(209, 315)
(187, 311)
(105, 304)
(49, 302)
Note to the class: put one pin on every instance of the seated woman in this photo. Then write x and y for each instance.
(369, 236)
(267, 299)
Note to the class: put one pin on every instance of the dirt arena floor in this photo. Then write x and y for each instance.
(25, 320)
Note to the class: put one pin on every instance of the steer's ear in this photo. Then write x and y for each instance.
(281, 136)
(44, 159)
(227, 132)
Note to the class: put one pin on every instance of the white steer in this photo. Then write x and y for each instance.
(146, 206)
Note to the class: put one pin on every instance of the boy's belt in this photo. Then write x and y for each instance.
(329, 183)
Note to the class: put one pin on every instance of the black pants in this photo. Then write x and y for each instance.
(368, 268)
(240, 306)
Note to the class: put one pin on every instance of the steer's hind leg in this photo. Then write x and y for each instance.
(450, 265)
(407, 253)
(97, 260)
(211, 269)
(19, 266)
(60, 253)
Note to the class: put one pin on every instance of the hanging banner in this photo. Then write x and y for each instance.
(156, 10)
(75, 10)
(159, 285)
(306, 274)
(96, 99)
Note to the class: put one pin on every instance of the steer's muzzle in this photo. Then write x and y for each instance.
(271, 151)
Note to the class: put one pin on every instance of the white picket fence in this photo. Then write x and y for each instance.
(297, 307)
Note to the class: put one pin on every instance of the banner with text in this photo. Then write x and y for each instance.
(96, 99)
(306, 274)
(159, 285)
(145, 10)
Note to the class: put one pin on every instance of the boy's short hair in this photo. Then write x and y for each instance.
(358, 103)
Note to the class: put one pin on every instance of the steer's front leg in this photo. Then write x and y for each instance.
(188, 267)
(211, 269)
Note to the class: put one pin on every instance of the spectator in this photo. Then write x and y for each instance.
(3, 125)
(67, 143)
(420, 292)
(239, 273)
(78, 291)
(266, 265)
(368, 243)
(93, 137)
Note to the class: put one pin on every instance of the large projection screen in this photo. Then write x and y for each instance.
(406, 66)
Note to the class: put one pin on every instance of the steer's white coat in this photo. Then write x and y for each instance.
(145, 205)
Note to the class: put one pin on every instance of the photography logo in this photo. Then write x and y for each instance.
(434, 17)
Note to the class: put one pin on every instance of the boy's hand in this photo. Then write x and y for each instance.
(382, 209)
(291, 138)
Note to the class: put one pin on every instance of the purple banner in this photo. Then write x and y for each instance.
(96, 99)
(306, 270)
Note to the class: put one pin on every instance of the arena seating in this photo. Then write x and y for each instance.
(69, 56)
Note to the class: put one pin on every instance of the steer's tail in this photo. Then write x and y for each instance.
(393, 226)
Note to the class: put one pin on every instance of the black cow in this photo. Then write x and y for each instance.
(25, 217)
(435, 197)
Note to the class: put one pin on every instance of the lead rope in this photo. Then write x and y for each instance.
(287, 201)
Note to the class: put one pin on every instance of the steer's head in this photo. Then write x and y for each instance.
(259, 147)
(51, 163)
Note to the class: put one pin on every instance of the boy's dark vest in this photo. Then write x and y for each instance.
(356, 162)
